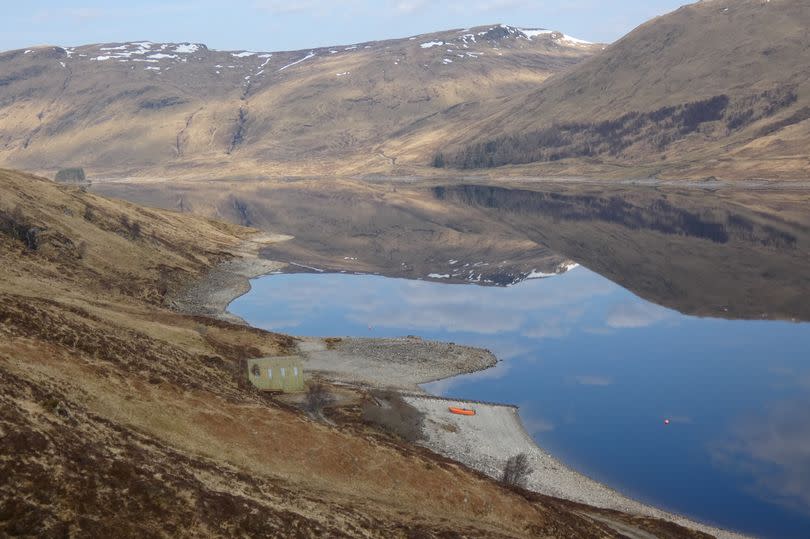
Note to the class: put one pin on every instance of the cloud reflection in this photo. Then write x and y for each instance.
(590, 380)
(548, 308)
(773, 449)
(636, 315)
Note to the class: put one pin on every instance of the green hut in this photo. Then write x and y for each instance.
(284, 374)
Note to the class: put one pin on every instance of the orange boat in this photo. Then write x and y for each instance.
(461, 411)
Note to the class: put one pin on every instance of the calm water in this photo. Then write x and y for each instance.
(596, 371)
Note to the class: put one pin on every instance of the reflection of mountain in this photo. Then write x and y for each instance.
(715, 256)
(658, 216)
(732, 254)
(354, 226)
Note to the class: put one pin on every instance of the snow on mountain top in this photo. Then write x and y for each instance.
(575, 41)
(187, 48)
(534, 32)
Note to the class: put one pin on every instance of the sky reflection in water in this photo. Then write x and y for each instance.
(596, 370)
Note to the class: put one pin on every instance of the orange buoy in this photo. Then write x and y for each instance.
(461, 411)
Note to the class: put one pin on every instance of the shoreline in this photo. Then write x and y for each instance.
(216, 290)
(484, 441)
(496, 431)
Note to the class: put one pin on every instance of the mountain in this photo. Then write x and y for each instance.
(172, 109)
(719, 87)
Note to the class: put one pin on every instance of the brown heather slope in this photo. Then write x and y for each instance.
(153, 109)
(719, 87)
(119, 417)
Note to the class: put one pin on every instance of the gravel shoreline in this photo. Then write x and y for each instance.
(212, 294)
(484, 441)
(401, 363)
(481, 442)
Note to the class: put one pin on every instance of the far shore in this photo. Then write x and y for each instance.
(481, 442)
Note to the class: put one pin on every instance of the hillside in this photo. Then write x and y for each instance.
(121, 417)
(719, 87)
(172, 109)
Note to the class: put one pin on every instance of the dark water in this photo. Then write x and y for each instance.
(596, 370)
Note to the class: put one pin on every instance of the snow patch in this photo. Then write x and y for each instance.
(186, 48)
(447, 61)
(539, 275)
(431, 44)
(307, 57)
(306, 267)
(244, 54)
(439, 276)
(534, 32)
(574, 40)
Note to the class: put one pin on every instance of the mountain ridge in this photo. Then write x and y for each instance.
(122, 108)
(715, 88)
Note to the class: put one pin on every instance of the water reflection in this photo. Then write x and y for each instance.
(773, 448)
(695, 252)
(728, 253)
(595, 370)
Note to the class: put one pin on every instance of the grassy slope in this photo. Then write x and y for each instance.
(118, 416)
(719, 47)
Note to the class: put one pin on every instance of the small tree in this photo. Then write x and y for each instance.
(318, 398)
(71, 175)
(516, 470)
(438, 160)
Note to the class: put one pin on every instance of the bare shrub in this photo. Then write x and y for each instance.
(516, 470)
(318, 397)
(17, 226)
(390, 413)
(332, 342)
(81, 249)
